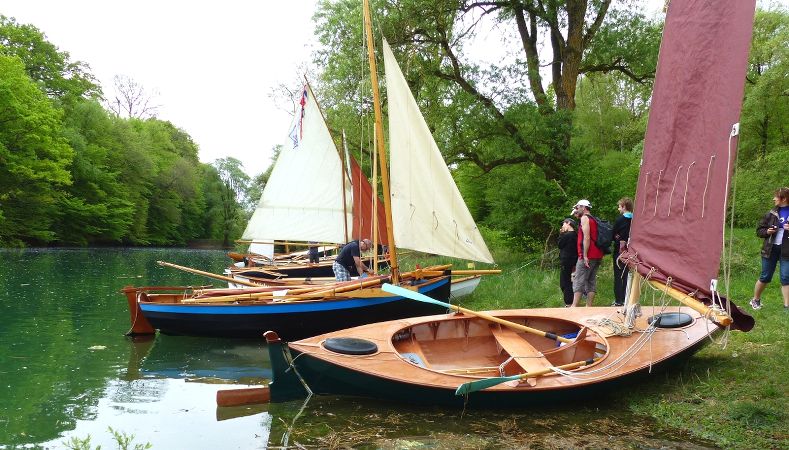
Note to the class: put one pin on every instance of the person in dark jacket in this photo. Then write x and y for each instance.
(774, 229)
(568, 257)
(621, 235)
(351, 256)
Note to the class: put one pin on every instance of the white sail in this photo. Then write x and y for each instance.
(303, 199)
(428, 212)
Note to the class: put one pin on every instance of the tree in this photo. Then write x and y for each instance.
(61, 78)
(766, 105)
(34, 157)
(95, 207)
(764, 134)
(235, 184)
(131, 99)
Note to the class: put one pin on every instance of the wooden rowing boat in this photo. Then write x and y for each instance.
(293, 311)
(426, 359)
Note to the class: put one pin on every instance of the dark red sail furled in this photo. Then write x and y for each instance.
(363, 207)
(690, 147)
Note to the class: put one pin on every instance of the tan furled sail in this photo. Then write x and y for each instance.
(429, 215)
(303, 199)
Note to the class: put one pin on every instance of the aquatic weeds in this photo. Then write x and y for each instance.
(125, 442)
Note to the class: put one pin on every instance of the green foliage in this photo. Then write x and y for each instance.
(34, 157)
(755, 184)
(232, 195)
(765, 110)
(52, 69)
(611, 113)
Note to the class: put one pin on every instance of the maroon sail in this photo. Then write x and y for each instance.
(690, 145)
(363, 207)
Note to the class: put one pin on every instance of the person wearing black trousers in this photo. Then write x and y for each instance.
(621, 235)
(568, 256)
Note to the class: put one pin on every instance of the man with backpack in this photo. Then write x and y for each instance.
(589, 254)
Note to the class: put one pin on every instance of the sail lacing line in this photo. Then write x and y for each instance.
(657, 191)
(673, 186)
(706, 185)
(687, 182)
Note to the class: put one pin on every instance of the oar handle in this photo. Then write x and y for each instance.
(246, 396)
(513, 325)
(206, 274)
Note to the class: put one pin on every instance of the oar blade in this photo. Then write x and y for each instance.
(413, 295)
(478, 385)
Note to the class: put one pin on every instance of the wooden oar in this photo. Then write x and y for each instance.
(246, 396)
(207, 274)
(318, 291)
(515, 326)
(478, 385)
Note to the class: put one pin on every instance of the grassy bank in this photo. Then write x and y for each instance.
(733, 392)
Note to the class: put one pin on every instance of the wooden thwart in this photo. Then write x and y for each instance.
(520, 349)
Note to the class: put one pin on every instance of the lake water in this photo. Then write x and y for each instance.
(68, 374)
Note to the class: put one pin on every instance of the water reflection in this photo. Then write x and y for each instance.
(169, 414)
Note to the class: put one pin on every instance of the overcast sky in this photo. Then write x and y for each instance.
(213, 64)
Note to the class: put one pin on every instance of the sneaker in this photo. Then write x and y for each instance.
(756, 303)
(617, 304)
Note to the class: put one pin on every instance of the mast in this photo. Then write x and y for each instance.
(343, 174)
(379, 140)
(375, 223)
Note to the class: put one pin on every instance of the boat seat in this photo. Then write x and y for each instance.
(521, 351)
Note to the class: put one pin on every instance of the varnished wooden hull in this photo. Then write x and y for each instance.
(387, 373)
(293, 320)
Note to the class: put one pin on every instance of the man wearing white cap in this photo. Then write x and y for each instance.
(589, 255)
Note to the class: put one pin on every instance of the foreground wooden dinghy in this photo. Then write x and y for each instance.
(298, 312)
(426, 359)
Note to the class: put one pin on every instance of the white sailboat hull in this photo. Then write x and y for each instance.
(464, 286)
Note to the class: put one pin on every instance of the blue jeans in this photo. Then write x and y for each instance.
(768, 267)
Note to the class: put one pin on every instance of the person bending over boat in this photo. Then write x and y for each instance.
(774, 228)
(351, 256)
(589, 255)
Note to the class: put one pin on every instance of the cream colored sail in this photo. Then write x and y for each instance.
(303, 199)
(428, 213)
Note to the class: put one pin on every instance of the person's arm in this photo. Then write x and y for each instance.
(360, 267)
(763, 230)
(587, 239)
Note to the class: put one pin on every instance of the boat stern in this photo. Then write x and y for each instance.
(139, 324)
(285, 382)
